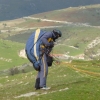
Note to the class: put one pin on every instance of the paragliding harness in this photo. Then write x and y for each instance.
(37, 58)
(49, 58)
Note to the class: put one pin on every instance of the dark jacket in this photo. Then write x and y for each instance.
(48, 41)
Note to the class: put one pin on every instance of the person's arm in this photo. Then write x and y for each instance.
(44, 39)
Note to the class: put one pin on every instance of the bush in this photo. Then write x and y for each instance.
(13, 71)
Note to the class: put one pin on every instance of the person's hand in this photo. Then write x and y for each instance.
(51, 44)
(57, 62)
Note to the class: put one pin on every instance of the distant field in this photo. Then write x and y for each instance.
(83, 14)
(76, 36)
(89, 15)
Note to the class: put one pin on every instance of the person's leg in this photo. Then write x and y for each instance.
(43, 72)
(37, 82)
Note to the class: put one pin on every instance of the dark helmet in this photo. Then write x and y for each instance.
(57, 32)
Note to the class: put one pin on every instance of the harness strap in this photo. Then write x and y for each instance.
(35, 40)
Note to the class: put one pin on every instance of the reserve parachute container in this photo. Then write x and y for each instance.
(33, 48)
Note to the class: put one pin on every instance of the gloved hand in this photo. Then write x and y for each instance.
(37, 65)
(51, 44)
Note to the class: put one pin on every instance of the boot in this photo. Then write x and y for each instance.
(37, 83)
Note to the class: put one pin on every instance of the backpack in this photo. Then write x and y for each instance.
(33, 48)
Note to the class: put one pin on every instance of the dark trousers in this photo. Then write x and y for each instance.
(42, 74)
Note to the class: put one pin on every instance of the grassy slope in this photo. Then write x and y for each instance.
(10, 50)
(76, 36)
(81, 85)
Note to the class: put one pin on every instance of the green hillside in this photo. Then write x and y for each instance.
(9, 54)
(71, 81)
(73, 78)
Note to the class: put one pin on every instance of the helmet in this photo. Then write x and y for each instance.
(57, 32)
